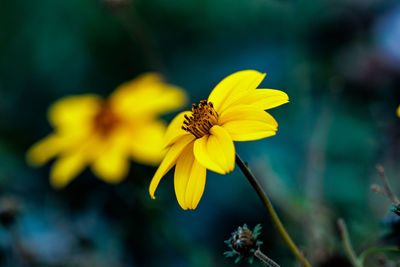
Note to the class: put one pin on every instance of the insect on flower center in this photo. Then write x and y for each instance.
(202, 119)
(105, 120)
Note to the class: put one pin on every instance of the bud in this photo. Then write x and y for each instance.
(376, 188)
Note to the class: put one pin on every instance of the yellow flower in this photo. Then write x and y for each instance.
(105, 133)
(398, 111)
(203, 138)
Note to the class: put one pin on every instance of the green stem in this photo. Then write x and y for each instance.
(275, 219)
(344, 234)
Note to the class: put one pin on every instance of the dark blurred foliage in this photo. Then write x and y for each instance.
(339, 62)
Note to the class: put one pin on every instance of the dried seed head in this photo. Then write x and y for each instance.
(243, 240)
(243, 243)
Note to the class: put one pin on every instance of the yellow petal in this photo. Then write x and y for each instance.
(174, 130)
(65, 168)
(196, 185)
(182, 173)
(216, 151)
(189, 179)
(112, 165)
(74, 113)
(44, 150)
(398, 111)
(248, 130)
(247, 113)
(263, 98)
(232, 86)
(146, 95)
(203, 156)
(169, 161)
(147, 142)
(245, 123)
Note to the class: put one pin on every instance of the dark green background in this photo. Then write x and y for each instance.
(336, 60)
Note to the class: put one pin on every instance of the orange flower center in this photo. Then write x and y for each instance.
(105, 120)
(203, 118)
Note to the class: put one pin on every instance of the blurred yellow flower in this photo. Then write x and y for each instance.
(203, 138)
(105, 133)
(398, 111)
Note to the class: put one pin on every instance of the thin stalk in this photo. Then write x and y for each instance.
(344, 234)
(369, 251)
(265, 259)
(275, 219)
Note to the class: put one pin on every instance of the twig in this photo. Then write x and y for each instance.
(265, 259)
(386, 186)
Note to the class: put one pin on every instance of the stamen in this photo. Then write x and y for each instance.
(203, 118)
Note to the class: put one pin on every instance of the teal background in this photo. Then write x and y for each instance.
(339, 62)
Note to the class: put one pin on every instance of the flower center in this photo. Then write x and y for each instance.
(203, 118)
(105, 120)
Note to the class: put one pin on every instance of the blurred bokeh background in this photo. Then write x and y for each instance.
(339, 62)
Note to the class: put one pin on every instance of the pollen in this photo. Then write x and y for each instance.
(202, 119)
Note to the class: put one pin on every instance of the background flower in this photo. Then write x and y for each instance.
(106, 133)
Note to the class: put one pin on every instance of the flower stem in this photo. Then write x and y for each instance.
(275, 219)
(265, 259)
(344, 234)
